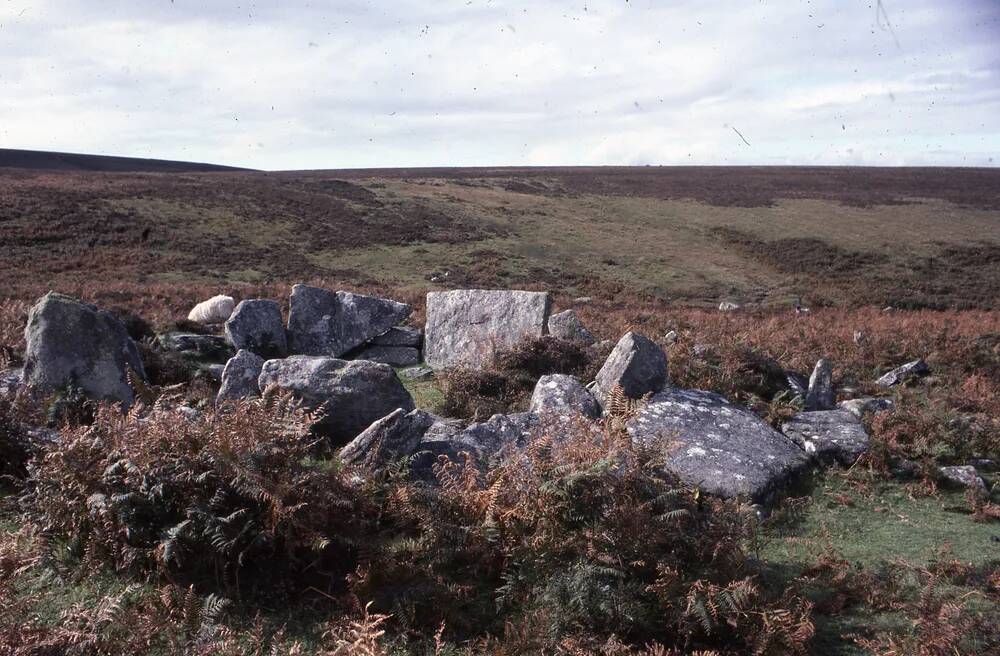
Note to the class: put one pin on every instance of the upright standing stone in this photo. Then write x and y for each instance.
(239, 378)
(257, 327)
(466, 327)
(72, 343)
(820, 395)
(637, 365)
(322, 322)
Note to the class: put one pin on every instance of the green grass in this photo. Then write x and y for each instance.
(427, 394)
(889, 524)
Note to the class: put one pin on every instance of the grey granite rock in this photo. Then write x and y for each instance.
(71, 343)
(466, 327)
(724, 449)
(256, 326)
(828, 435)
(349, 394)
(322, 322)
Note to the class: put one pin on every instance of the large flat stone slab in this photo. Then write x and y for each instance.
(724, 449)
(466, 327)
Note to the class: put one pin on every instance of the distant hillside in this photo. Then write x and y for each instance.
(43, 160)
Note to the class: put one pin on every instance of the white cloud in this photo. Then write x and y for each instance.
(486, 82)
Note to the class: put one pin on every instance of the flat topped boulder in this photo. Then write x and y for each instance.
(322, 322)
(828, 435)
(72, 343)
(637, 365)
(467, 326)
(349, 394)
(724, 449)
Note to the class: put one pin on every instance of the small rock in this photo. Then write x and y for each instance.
(859, 337)
(466, 327)
(860, 407)
(582, 300)
(567, 326)
(820, 395)
(256, 326)
(70, 342)
(417, 373)
(828, 435)
(637, 365)
(396, 356)
(563, 395)
(904, 373)
(728, 306)
(10, 382)
(392, 437)
(239, 377)
(670, 338)
(215, 310)
(214, 371)
(962, 476)
(400, 336)
(797, 383)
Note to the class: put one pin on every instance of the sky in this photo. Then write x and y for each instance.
(398, 83)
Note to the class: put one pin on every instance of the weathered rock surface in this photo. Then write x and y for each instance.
(256, 326)
(559, 394)
(75, 343)
(396, 356)
(322, 322)
(400, 336)
(904, 373)
(416, 373)
(395, 436)
(869, 404)
(797, 383)
(10, 382)
(724, 449)
(637, 364)
(466, 327)
(567, 325)
(482, 441)
(215, 310)
(351, 393)
(828, 435)
(239, 378)
(728, 306)
(962, 476)
(820, 395)
(202, 347)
